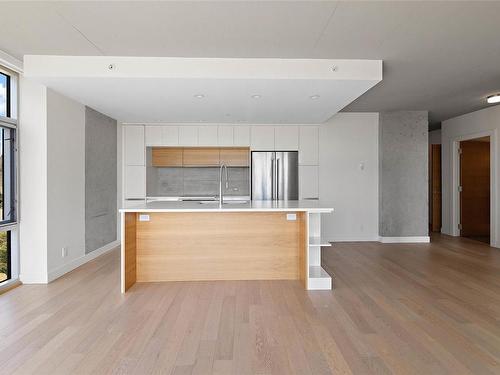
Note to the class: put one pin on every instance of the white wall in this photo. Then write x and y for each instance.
(435, 137)
(52, 184)
(119, 177)
(33, 182)
(65, 180)
(471, 125)
(348, 175)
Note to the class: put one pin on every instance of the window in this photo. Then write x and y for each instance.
(7, 186)
(8, 128)
(5, 252)
(4, 95)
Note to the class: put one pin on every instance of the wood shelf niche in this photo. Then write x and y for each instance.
(200, 156)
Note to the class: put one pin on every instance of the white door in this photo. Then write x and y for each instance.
(286, 138)
(309, 145)
(170, 135)
(153, 135)
(207, 135)
(262, 138)
(308, 182)
(225, 135)
(188, 136)
(241, 135)
(134, 145)
(135, 182)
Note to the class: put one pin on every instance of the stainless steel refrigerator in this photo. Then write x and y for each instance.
(275, 175)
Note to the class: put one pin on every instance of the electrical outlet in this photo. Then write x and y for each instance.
(64, 252)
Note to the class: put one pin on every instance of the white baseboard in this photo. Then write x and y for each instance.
(33, 279)
(354, 239)
(415, 239)
(58, 272)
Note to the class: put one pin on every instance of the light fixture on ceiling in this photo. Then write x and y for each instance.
(199, 96)
(314, 97)
(256, 96)
(493, 99)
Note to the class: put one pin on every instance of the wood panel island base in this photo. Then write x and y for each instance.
(258, 240)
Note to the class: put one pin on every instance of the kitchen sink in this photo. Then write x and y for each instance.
(225, 202)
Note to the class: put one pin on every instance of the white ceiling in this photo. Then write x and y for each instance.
(438, 56)
(156, 90)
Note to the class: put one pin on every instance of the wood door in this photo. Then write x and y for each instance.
(201, 157)
(475, 188)
(166, 157)
(235, 156)
(435, 188)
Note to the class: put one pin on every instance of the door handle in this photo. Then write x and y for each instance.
(277, 178)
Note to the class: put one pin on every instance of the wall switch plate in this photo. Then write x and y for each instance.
(291, 217)
(143, 217)
(64, 252)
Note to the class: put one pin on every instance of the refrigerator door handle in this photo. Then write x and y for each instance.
(277, 178)
(272, 178)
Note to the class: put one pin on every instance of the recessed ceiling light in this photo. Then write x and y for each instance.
(493, 99)
(199, 96)
(314, 97)
(256, 96)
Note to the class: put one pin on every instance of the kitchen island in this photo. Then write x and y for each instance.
(254, 240)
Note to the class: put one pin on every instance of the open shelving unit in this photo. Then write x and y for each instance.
(317, 277)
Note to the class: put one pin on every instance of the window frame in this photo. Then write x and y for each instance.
(10, 227)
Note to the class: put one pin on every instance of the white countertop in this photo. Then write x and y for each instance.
(255, 206)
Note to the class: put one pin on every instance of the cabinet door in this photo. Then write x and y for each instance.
(167, 157)
(134, 145)
(308, 182)
(188, 136)
(225, 135)
(235, 156)
(153, 135)
(241, 135)
(200, 157)
(286, 138)
(207, 135)
(170, 136)
(135, 182)
(262, 138)
(309, 145)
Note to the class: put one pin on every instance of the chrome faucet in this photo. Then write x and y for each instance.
(221, 198)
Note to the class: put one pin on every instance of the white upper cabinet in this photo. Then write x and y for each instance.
(308, 182)
(225, 135)
(309, 145)
(241, 135)
(153, 135)
(286, 138)
(134, 144)
(188, 135)
(170, 136)
(262, 138)
(207, 135)
(165, 135)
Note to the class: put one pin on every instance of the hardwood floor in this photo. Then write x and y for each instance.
(397, 308)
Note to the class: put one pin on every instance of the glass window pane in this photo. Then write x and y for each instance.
(7, 186)
(3, 95)
(4, 256)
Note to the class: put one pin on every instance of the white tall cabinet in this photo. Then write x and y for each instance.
(286, 138)
(135, 162)
(308, 162)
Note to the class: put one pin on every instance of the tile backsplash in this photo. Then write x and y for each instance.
(178, 181)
